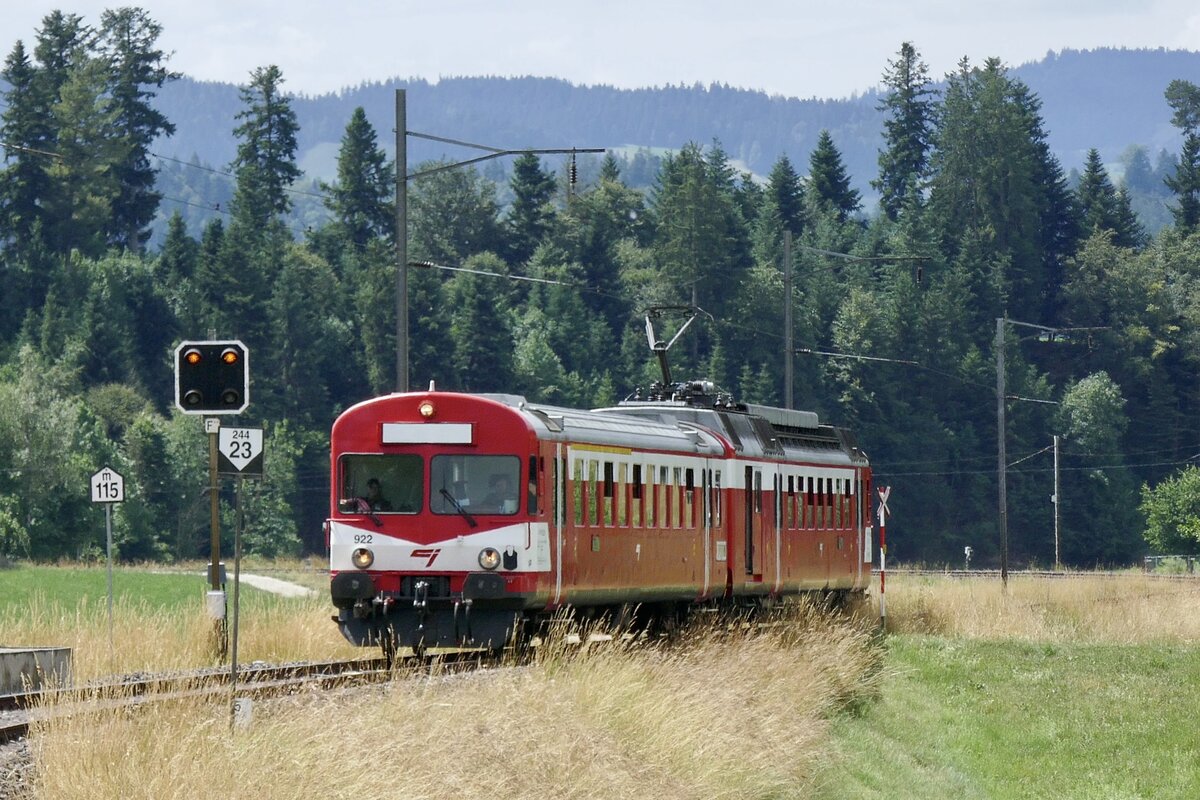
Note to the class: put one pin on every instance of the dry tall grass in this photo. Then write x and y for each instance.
(1126, 609)
(725, 717)
(147, 638)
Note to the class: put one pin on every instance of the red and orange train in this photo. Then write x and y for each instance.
(463, 519)
(466, 519)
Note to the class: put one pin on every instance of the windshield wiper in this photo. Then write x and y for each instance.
(457, 507)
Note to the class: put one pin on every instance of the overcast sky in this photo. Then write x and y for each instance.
(797, 48)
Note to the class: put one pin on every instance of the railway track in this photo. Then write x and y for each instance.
(1036, 573)
(19, 711)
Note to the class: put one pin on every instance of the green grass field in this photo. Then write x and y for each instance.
(1063, 689)
(70, 587)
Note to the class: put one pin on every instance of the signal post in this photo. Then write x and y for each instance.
(212, 378)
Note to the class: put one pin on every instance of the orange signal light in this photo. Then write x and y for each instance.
(229, 356)
(193, 357)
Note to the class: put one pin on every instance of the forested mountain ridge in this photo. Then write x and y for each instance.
(1107, 99)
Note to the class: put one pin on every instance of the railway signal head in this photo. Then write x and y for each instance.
(212, 377)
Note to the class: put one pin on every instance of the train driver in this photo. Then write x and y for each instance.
(375, 498)
(501, 497)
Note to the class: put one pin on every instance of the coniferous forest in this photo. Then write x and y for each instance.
(895, 305)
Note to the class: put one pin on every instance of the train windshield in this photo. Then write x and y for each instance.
(381, 484)
(476, 484)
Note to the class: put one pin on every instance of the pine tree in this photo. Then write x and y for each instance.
(452, 215)
(531, 216)
(829, 183)
(127, 43)
(785, 188)
(908, 130)
(361, 198)
(79, 209)
(1185, 183)
(265, 166)
(1103, 208)
(701, 238)
(28, 132)
(483, 346)
(1184, 99)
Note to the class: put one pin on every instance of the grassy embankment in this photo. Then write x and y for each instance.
(159, 619)
(729, 716)
(1083, 688)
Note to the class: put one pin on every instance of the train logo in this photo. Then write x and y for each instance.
(426, 552)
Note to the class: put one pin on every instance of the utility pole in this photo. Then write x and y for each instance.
(1057, 560)
(401, 240)
(1001, 456)
(402, 179)
(788, 343)
(1002, 465)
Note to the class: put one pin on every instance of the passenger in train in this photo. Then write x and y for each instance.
(375, 498)
(501, 497)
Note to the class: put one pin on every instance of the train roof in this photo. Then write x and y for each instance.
(752, 430)
(618, 430)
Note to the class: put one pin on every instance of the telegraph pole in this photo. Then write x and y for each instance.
(402, 179)
(401, 240)
(1057, 560)
(1001, 456)
(788, 343)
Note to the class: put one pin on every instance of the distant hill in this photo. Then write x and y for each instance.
(1105, 98)
(1108, 99)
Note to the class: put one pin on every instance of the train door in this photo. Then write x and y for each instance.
(558, 519)
(753, 497)
(777, 527)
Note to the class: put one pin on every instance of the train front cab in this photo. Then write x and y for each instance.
(434, 557)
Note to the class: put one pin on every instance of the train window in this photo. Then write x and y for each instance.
(577, 490)
(637, 481)
(593, 485)
(474, 484)
(664, 497)
(819, 499)
(384, 484)
(622, 494)
(533, 483)
(649, 502)
(789, 506)
(717, 498)
(837, 503)
(608, 479)
(676, 489)
(758, 498)
(689, 497)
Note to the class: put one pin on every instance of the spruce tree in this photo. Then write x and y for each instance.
(907, 130)
(531, 216)
(265, 166)
(829, 183)
(128, 40)
(361, 199)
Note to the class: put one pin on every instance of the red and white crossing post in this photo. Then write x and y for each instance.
(884, 492)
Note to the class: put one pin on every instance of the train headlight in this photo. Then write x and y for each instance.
(489, 558)
(362, 558)
(426, 408)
